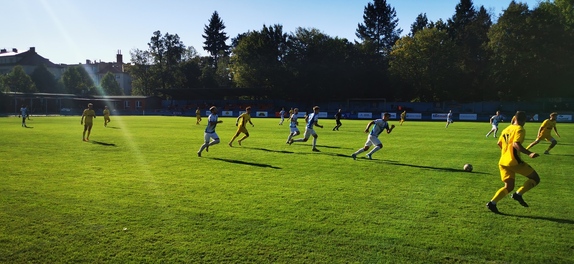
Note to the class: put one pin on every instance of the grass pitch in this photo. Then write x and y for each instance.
(137, 192)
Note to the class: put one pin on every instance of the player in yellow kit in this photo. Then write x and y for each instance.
(545, 132)
(403, 116)
(87, 120)
(510, 163)
(106, 116)
(241, 122)
(197, 116)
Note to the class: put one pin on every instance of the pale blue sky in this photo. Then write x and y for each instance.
(71, 31)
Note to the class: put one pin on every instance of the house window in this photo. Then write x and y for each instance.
(138, 104)
(126, 104)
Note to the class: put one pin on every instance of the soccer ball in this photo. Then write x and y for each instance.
(467, 167)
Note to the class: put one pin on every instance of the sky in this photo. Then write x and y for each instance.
(73, 31)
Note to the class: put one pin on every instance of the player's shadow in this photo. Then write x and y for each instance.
(113, 127)
(271, 150)
(28, 127)
(552, 219)
(103, 143)
(248, 163)
(431, 167)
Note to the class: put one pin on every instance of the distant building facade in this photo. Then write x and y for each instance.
(29, 60)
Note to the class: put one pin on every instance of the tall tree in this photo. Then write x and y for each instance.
(215, 38)
(143, 78)
(44, 80)
(110, 86)
(421, 22)
(379, 27)
(258, 59)
(167, 52)
(18, 81)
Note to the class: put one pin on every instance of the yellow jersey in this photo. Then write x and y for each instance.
(197, 112)
(243, 119)
(509, 156)
(106, 112)
(547, 127)
(89, 115)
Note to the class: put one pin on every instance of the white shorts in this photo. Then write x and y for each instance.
(373, 141)
(494, 126)
(208, 136)
(309, 132)
(295, 129)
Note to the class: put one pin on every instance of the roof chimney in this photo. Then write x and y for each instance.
(33, 49)
(3, 51)
(119, 58)
(15, 50)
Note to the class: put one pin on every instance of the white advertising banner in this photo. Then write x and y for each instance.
(301, 114)
(322, 114)
(393, 115)
(564, 118)
(364, 115)
(418, 116)
(261, 114)
(467, 117)
(226, 113)
(439, 116)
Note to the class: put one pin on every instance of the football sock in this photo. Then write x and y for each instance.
(499, 195)
(359, 151)
(314, 142)
(529, 184)
(374, 150)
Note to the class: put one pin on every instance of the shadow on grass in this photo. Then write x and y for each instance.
(552, 219)
(247, 163)
(103, 143)
(28, 127)
(432, 167)
(112, 127)
(318, 146)
(271, 150)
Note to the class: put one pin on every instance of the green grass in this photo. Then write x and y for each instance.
(138, 193)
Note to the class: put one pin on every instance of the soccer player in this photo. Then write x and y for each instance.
(241, 122)
(24, 112)
(198, 115)
(210, 134)
(338, 120)
(106, 116)
(545, 132)
(87, 120)
(403, 116)
(282, 114)
(510, 163)
(293, 125)
(494, 120)
(448, 118)
(312, 121)
(380, 125)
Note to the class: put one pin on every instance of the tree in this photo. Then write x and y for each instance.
(422, 64)
(215, 38)
(110, 86)
(44, 80)
(143, 78)
(379, 27)
(421, 22)
(77, 81)
(18, 81)
(258, 60)
(167, 52)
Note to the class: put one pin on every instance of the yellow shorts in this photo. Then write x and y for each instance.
(508, 172)
(241, 130)
(106, 118)
(546, 137)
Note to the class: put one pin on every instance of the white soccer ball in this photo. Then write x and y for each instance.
(467, 167)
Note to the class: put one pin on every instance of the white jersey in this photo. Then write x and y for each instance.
(379, 126)
(211, 127)
(24, 111)
(311, 120)
(293, 121)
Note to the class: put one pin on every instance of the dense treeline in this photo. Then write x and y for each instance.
(524, 54)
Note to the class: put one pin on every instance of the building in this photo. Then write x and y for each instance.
(97, 71)
(29, 60)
